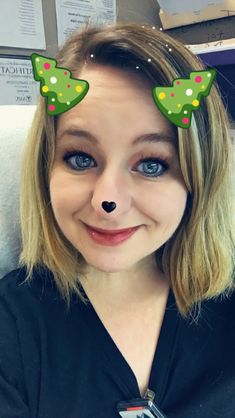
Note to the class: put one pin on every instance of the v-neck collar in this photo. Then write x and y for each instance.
(163, 357)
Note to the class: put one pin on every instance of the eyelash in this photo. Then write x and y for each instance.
(71, 152)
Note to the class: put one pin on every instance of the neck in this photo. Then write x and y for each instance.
(135, 287)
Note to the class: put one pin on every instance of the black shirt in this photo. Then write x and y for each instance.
(59, 363)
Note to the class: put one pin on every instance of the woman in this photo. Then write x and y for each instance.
(93, 317)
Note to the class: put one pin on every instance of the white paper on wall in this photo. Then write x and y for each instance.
(17, 84)
(21, 24)
(74, 14)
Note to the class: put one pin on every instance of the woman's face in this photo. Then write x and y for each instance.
(116, 125)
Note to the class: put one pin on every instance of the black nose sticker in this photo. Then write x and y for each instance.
(108, 206)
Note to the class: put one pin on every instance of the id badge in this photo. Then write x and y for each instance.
(139, 408)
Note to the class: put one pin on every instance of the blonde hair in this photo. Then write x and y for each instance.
(199, 257)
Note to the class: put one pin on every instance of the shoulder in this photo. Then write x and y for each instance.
(12, 280)
(15, 280)
(19, 293)
(216, 320)
(222, 306)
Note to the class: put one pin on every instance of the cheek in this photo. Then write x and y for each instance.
(164, 202)
(66, 195)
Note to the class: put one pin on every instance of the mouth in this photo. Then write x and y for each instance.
(110, 237)
(112, 231)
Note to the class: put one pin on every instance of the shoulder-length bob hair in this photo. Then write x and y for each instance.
(199, 257)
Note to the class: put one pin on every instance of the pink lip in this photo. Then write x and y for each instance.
(110, 231)
(110, 238)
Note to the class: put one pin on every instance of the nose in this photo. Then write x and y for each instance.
(111, 196)
(108, 206)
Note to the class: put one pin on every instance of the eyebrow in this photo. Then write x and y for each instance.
(152, 137)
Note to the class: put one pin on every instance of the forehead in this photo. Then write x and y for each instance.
(101, 76)
(111, 86)
(117, 97)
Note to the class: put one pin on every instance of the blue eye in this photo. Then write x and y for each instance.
(153, 167)
(81, 160)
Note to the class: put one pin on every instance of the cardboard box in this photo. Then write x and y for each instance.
(211, 11)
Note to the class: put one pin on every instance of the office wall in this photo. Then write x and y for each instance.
(138, 11)
(146, 11)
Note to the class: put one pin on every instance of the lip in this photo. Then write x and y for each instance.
(112, 238)
(111, 231)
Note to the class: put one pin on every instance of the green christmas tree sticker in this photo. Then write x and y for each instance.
(62, 91)
(178, 102)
